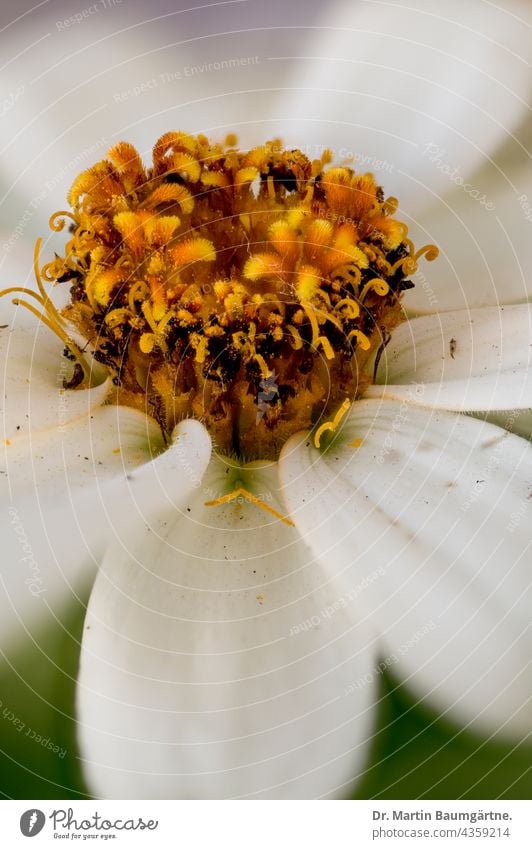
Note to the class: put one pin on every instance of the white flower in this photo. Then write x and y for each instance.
(234, 651)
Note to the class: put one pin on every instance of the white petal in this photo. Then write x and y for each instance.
(217, 661)
(482, 226)
(33, 376)
(465, 360)
(108, 442)
(63, 491)
(62, 508)
(384, 81)
(440, 504)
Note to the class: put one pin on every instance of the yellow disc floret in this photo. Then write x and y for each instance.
(252, 289)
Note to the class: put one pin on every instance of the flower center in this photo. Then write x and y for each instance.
(251, 290)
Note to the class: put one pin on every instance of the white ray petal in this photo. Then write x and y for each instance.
(482, 226)
(34, 373)
(62, 508)
(465, 360)
(441, 504)
(217, 659)
(64, 490)
(105, 443)
(388, 82)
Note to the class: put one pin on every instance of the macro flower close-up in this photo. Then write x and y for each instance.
(266, 347)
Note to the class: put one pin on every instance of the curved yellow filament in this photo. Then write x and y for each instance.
(377, 285)
(349, 306)
(55, 328)
(265, 371)
(407, 263)
(297, 342)
(327, 347)
(57, 225)
(47, 303)
(361, 338)
(23, 291)
(390, 205)
(332, 425)
(430, 252)
(240, 492)
(138, 292)
(148, 315)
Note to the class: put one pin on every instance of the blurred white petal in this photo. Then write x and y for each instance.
(388, 83)
(133, 72)
(483, 227)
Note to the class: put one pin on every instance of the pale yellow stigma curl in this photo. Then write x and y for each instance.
(332, 425)
(361, 338)
(316, 338)
(377, 285)
(245, 493)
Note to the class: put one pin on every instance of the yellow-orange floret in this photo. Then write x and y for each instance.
(253, 289)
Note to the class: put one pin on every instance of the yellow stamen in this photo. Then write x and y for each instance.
(390, 205)
(47, 303)
(297, 342)
(265, 371)
(407, 264)
(138, 292)
(146, 309)
(350, 308)
(117, 317)
(214, 180)
(430, 252)
(332, 425)
(361, 338)
(57, 225)
(377, 285)
(318, 339)
(244, 493)
(245, 176)
(327, 347)
(23, 291)
(311, 315)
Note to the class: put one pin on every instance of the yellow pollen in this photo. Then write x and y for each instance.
(332, 425)
(240, 492)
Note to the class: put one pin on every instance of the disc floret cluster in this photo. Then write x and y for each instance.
(252, 290)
